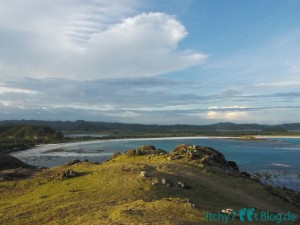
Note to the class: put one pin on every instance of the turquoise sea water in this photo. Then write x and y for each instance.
(278, 157)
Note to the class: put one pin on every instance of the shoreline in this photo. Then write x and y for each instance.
(48, 147)
(68, 148)
(125, 174)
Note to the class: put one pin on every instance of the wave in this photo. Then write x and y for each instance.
(67, 154)
(288, 148)
(74, 154)
(44, 148)
(280, 164)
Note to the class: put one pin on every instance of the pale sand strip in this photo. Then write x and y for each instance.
(39, 149)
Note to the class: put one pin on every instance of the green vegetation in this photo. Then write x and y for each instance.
(21, 137)
(31, 133)
(16, 138)
(9, 145)
(129, 189)
(275, 130)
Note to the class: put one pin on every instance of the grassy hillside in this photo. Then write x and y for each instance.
(30, 132)
(15, 138)
(140, 187)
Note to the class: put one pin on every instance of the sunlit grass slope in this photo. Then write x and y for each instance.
(115, 192)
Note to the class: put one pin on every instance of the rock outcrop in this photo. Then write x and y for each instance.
(145, 150)
(72, 162)
(66, 174)
(205, 155)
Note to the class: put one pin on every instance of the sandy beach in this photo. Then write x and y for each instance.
(39, 149)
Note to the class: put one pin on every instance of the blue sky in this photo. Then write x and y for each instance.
(150, 61)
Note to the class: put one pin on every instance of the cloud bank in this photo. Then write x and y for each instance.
(142, 100)
(118, 61)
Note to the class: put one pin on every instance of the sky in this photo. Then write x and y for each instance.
(150, 61)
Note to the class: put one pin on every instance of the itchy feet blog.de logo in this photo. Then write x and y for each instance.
(250, 215)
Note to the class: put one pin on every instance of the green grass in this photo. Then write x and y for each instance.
(115, 193)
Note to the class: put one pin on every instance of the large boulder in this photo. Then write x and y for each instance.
(147, 147)
(145, 150)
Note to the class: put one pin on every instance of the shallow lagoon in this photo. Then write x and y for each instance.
(279, 157)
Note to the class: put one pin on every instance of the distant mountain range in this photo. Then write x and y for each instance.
(89, 126)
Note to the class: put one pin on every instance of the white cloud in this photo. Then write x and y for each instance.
(4, 103)
(88, 40)
(17, 91)
(232, 116)
(227, 107)
(282, 84)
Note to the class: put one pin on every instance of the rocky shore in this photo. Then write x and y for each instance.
(142, 186)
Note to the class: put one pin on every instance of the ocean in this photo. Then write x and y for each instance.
(277, 160)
